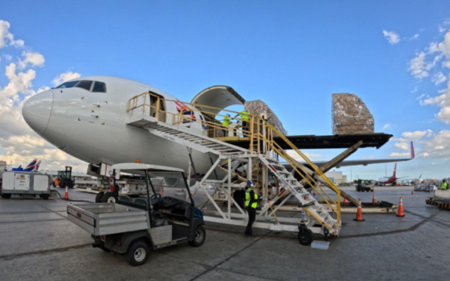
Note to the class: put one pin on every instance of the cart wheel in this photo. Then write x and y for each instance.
(305, 236)
(44, 196)
(109, 197)
(99, 196)
(200, 236)
(6, 196)
(137, 253)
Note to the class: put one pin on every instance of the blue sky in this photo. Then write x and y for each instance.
(291, 54)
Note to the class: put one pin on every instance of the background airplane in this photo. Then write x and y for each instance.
(32, 167)
(392, 180)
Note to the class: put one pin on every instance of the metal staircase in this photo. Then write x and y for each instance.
(263, 150)
(185, 136)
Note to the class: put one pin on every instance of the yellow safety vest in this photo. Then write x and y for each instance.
(444, 186)
(226, 121)
(244, 115)
(247, 198)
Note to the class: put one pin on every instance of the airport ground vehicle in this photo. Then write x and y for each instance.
(65, 177)
(132, 227)
(25, 184)
(364, 185)
(441, 198)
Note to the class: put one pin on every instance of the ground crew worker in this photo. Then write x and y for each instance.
(244, 117)
(251, 201)
(226, 124)
(444, 185)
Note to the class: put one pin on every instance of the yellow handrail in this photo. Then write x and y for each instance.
(259, 130)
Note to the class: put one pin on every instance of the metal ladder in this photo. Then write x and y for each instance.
(186, 137)
(205, 144)
(292, 185)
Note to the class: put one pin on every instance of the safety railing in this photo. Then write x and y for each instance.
(258, 132)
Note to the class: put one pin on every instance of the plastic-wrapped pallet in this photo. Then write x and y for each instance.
(350, 115)
(258, 107)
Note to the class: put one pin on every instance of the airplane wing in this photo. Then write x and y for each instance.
(365, 162)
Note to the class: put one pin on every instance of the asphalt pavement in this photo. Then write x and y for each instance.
(37, 242)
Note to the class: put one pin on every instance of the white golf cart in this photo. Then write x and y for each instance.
(131, 227)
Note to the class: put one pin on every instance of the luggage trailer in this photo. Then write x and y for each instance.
(132, 227)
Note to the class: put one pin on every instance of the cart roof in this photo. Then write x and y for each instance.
(140, 166)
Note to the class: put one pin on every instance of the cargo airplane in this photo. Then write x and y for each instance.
(87, 118)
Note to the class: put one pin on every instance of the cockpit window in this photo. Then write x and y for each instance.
(84, 85)
(99, 87)
(68, 84)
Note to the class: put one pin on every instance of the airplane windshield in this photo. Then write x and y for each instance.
(68, 84)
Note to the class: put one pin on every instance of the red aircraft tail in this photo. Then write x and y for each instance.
(395, 169)
(412, 151)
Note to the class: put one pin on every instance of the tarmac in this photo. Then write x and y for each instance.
(37, 242)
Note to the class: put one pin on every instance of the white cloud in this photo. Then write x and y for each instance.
(418, 67)
(6, 38)
(297, 157)
(398, 154)
(7, 57)
(442, 101)
(443, 27)
(434, 48)
(420, 97)
(18, 140)
(398, 139)
(34, 59)
(402, 145)
(387, 126)
(417, 135)
(65, 77)
(438, 146)
(416, 36)
(439, 78)
(391, 36)
(444, 46)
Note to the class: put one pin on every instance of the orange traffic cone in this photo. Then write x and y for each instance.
(374, 200)
(359, 212)
(345, 200)
(400, 209)
(314, 193)
(412, 191)
(66, 196)
(161, 191)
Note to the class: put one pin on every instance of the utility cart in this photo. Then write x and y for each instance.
(364, 185)
(132, 227)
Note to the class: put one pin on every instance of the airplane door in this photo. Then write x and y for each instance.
(157, 107)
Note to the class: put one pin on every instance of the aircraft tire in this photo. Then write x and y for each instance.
(109, 197)
(99, 196)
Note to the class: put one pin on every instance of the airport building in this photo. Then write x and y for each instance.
(336, 176)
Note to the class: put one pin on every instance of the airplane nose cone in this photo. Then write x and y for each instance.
(36, 111)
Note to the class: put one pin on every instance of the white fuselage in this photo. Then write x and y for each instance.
(92, 126)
